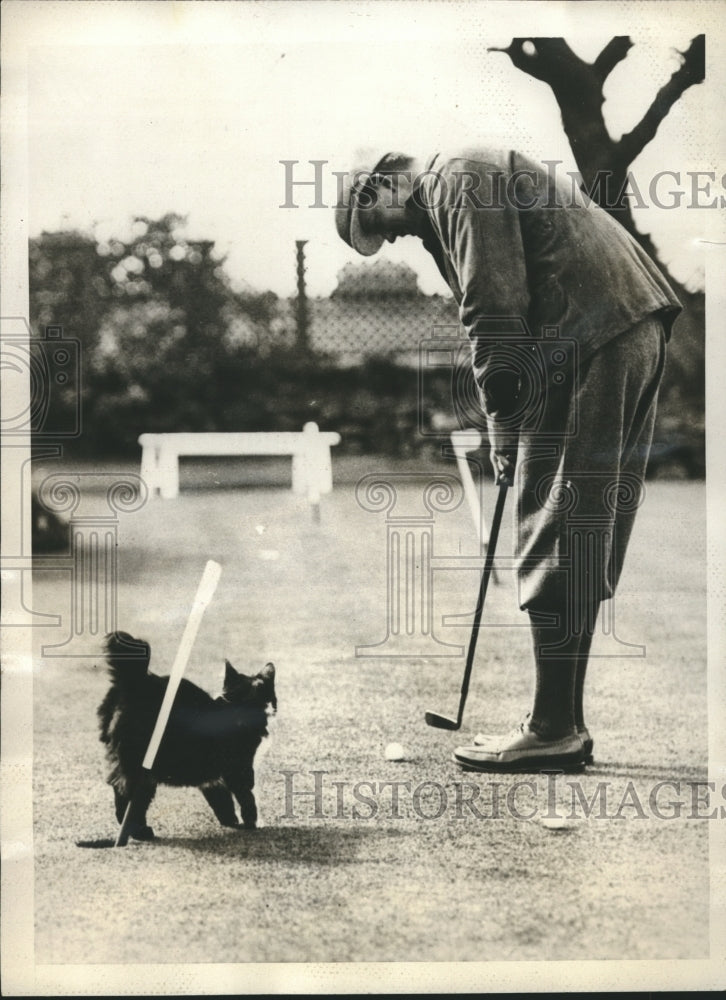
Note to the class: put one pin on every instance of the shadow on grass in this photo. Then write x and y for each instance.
(323, 845)
(649, 772)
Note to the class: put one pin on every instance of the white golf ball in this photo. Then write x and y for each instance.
(555, 823)
(395, 751)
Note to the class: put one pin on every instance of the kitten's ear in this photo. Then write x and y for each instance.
(230, 674)
(268, 672)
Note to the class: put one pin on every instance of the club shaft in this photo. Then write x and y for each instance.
(486, 574)
(123, 834)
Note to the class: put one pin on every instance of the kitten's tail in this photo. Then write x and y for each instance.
(127, 658)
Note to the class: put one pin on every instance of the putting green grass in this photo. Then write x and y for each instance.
(461, 868)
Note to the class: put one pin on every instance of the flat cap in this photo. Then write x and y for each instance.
(355, 197)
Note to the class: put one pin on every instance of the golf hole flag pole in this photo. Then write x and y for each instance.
(205, 593)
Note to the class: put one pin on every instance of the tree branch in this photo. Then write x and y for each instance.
(551, 60)
(613, 53)
(691, 71)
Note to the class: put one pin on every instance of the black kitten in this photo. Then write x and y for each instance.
(208, 743)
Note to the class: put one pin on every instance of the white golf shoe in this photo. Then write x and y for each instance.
(522, 750)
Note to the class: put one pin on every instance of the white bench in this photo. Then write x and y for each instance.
(312, 471)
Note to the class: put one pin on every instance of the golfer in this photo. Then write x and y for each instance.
(529, 258)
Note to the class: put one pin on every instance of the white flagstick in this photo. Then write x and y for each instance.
(205, 593)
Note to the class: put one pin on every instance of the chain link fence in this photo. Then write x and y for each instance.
(352, 331)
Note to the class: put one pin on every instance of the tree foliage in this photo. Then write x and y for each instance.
(161, 330)
(381, 279)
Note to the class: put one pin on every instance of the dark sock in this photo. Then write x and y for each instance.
(583, 653)
(561, 652)
(555, 655)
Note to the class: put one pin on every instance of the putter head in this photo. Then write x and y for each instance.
(441, 721)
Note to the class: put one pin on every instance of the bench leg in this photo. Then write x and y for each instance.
(312, 469)
(300, 473)
(168, 474)
(150, 468)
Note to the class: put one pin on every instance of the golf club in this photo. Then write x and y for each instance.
(443, 721)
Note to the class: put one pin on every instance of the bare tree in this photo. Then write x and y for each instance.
(604, 163)
(578, 88)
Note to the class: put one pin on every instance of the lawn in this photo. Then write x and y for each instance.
(361, 859)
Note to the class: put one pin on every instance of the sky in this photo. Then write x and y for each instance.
(147, 108)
